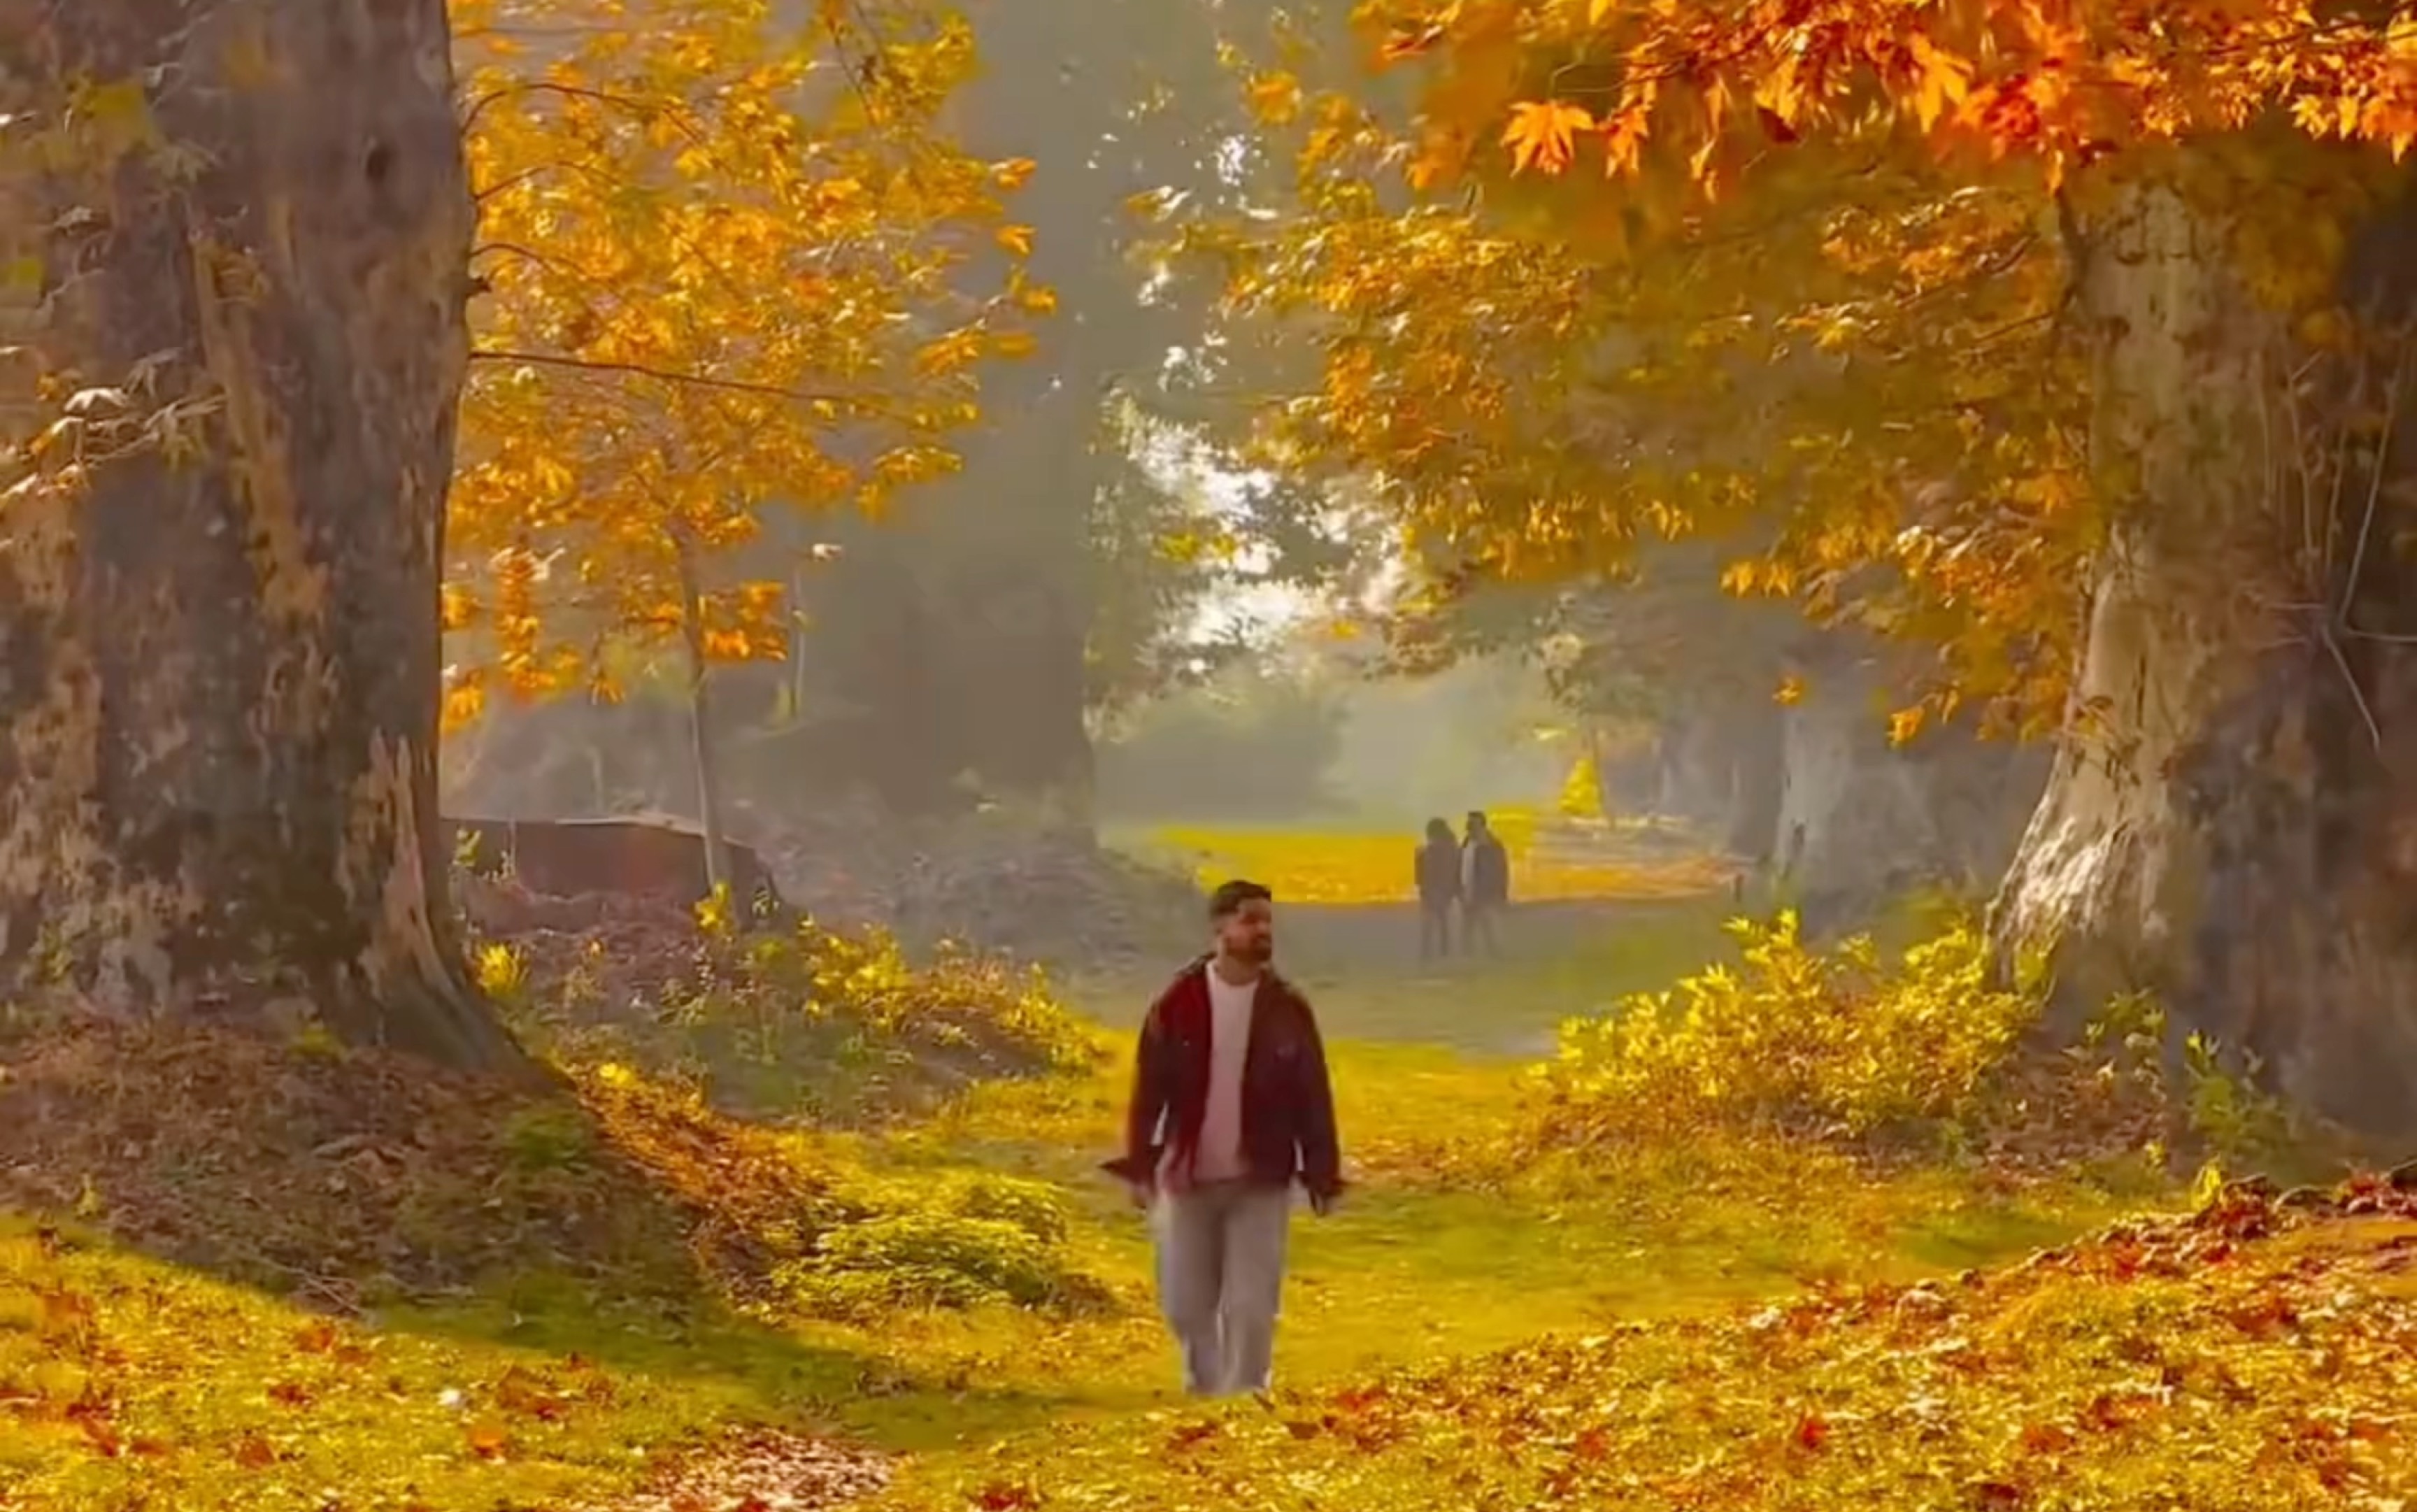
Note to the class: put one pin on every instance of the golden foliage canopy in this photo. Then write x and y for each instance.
(726, 265)
(1794, 271)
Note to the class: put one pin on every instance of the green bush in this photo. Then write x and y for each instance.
(551, 1135)
(927, 1259)
(1038, 1209)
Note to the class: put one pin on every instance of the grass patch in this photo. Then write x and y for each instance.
(127, 1383)
(1366, 867)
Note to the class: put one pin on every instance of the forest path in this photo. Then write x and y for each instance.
(1593, 917)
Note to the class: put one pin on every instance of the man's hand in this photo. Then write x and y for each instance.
(1140, 1191)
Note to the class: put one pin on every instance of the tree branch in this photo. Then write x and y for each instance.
(631, 103)
(696, 380)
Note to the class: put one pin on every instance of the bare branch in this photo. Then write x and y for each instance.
(696, 380)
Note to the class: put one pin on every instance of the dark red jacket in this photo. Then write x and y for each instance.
(1288, 1100)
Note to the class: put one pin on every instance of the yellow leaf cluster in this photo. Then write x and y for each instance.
(727, 267)
(2060, 83)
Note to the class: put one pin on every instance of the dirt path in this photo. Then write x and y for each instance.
(1324, 939)
(1359, 964)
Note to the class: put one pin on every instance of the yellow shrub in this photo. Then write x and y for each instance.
(1794, 1039)
(824, 1025)
(1582, 792)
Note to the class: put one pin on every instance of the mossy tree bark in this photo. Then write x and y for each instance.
(1861, 823)
(2231, 821)
(219, 650)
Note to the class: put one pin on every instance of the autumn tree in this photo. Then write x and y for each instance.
(234, 241)
(2070, 338)
(720, 265)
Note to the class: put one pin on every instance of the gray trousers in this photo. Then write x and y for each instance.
(1221, 1260)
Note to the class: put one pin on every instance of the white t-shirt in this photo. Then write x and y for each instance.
(1220, 1157)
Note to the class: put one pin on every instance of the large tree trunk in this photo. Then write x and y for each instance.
(1860, 821)
(218, 785)
(1758, 782)
(2232, 819)
(1718, 767)
(1697, 760)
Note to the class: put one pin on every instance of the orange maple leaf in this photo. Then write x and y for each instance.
(1543, 134)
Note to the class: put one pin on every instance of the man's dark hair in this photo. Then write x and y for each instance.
(1229, 897)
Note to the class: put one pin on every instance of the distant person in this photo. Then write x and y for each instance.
(1439, 878)
(1485, 884)
(1231, 1104)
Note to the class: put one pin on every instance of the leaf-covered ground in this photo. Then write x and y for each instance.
(2256, 1356)
(959, 1289)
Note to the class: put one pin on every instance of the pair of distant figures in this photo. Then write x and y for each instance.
(1469, 873)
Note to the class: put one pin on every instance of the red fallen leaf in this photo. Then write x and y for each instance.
(1812, 1431)
(104, 1437)
(1191, 1434)
(488, 1441)
(2045, 1438)
(150, 1449)
(526, 1393)
(252, 1452)
(1000, 1497)
(1301, 1427)
(752, 1504)
(289, 1393)
(317, 1337)
(64, 1313)
(1592, 1445)
(1998, 1495)
(1775, 126)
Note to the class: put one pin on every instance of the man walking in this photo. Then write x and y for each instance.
(1231, 1104)
(1485, 884)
